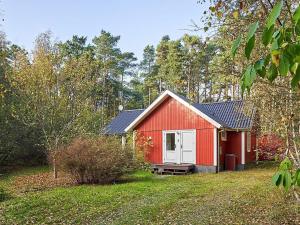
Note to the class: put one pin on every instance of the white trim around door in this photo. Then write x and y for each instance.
(179, 146)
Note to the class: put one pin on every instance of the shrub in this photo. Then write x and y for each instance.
(143, 146)
(3, 195)
(270, 146)
(95, 160)
(20, 145)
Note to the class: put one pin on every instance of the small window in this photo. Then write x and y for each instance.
(248, 141)
(223, 135)
(170, 142)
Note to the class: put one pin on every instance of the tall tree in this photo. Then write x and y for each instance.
(193, 57)
(127, 64)
(107, 54)
(162, 52)
(75, 47)
(53, 95)
(268, 31)
(148, 73)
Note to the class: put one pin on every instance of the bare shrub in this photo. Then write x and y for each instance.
(95, 160)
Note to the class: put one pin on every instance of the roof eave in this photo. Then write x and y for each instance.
(237, 129)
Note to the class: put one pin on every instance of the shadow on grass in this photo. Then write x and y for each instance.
(264, 165)
(4, 196)
(17, 171)
(144, 177)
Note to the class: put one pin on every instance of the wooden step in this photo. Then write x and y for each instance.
(173, 169)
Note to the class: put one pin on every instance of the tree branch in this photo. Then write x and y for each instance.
(278, 20)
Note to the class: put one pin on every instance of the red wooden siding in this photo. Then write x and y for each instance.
(172, 115)
(205, 147)
(250, 156)
(154, 154)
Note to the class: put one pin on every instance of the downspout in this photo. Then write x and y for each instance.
(218, 151)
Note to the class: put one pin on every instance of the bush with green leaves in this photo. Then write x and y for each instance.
(286, 175)
(95, 160)
(283, 44)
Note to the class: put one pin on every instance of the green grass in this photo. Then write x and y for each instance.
(226, 198)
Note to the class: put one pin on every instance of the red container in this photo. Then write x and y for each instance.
(230, 162)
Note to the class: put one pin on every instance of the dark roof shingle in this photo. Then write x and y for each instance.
(121, 121)
(230, 114)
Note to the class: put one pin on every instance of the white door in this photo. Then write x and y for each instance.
(188, 147)
(171, 146)
(179, 146)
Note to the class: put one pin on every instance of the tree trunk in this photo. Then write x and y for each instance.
(122, 88)
(188, 88)
(54, 168)
(198, 93)
(54, 158)
(149, 97)
(160, 85)
(205, 87)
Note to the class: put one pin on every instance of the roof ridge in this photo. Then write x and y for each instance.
(131, 110)
(210, 103)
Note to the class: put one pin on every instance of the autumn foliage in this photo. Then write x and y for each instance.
(143, 146)
(95, 160)
(269, 147)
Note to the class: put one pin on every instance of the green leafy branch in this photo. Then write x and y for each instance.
(285, 175)
(283, 43)
(283, 58)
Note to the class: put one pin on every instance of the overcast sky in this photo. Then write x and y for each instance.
(139, 22)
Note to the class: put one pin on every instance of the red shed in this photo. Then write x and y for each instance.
(210, 136)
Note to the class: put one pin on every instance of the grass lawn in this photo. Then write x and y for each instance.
(246, 197)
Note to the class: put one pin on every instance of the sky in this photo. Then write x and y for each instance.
(138, 22)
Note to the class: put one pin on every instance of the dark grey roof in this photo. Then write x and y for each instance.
(230, 114)
(120, 122)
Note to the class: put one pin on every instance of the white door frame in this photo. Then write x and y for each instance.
(178, 144)
(177, 152)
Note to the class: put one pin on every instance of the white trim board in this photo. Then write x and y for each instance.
(159, 100)
(243, 147)
(215, 146)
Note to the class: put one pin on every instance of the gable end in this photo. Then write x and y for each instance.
(159, 100)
